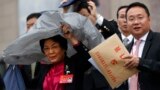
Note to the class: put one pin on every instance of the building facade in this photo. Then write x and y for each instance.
(10, 17)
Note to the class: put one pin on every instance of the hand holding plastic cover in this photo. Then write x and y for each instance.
(26, 49)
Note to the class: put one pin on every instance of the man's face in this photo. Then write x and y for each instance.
(31, 22)
(121, 20)
(85, 12)
(138, 22)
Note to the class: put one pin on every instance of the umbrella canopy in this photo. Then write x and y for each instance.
(26, 48)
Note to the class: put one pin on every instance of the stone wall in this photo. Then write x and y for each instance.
(8, 22)
(9, 16)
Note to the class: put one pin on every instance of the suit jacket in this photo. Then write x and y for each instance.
(2, 86)
(2, 67)
(108, 28)
(93, 79)
(77, 65)
(149, 64)
(27, 75)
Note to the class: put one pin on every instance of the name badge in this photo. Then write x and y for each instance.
(66, 78)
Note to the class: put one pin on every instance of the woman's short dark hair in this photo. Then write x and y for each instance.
(58, 38)
(138, 4)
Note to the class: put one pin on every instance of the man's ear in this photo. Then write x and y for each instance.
(149, 18)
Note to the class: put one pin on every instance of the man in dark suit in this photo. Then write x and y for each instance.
(88, 9)
(148, 59)
(106, 27)
(93, 79)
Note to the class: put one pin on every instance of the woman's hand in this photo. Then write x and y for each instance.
(66, 30)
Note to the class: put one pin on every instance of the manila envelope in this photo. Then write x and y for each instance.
(107, 56)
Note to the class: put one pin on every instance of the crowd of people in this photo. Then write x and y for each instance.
(76, 72)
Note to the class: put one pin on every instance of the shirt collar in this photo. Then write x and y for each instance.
(143, 38)
(130, 37)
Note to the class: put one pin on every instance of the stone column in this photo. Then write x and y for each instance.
(8, 22)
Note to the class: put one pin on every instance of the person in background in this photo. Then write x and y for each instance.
(26, 70)
(107, 28)
(2, 71)
(2, 67)
(71, 5)
(2, 86)
(68, 5)
(125, 34)
(85, 9)
(31, 19)
(30, 72)
(144, 49)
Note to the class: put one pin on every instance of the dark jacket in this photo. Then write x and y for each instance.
(108, 28)
(27, 75)
(77, 64)
(149, 65)
(2, 86)
(94, 80)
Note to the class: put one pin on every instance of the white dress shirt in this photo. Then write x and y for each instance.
(141, 47)
(130, 38)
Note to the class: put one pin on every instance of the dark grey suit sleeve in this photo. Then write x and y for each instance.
(108, 28)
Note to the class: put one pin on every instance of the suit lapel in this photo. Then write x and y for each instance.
(147, 44)
(129, 46)
(119, 35)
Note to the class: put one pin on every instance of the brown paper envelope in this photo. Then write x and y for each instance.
(107, 56)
